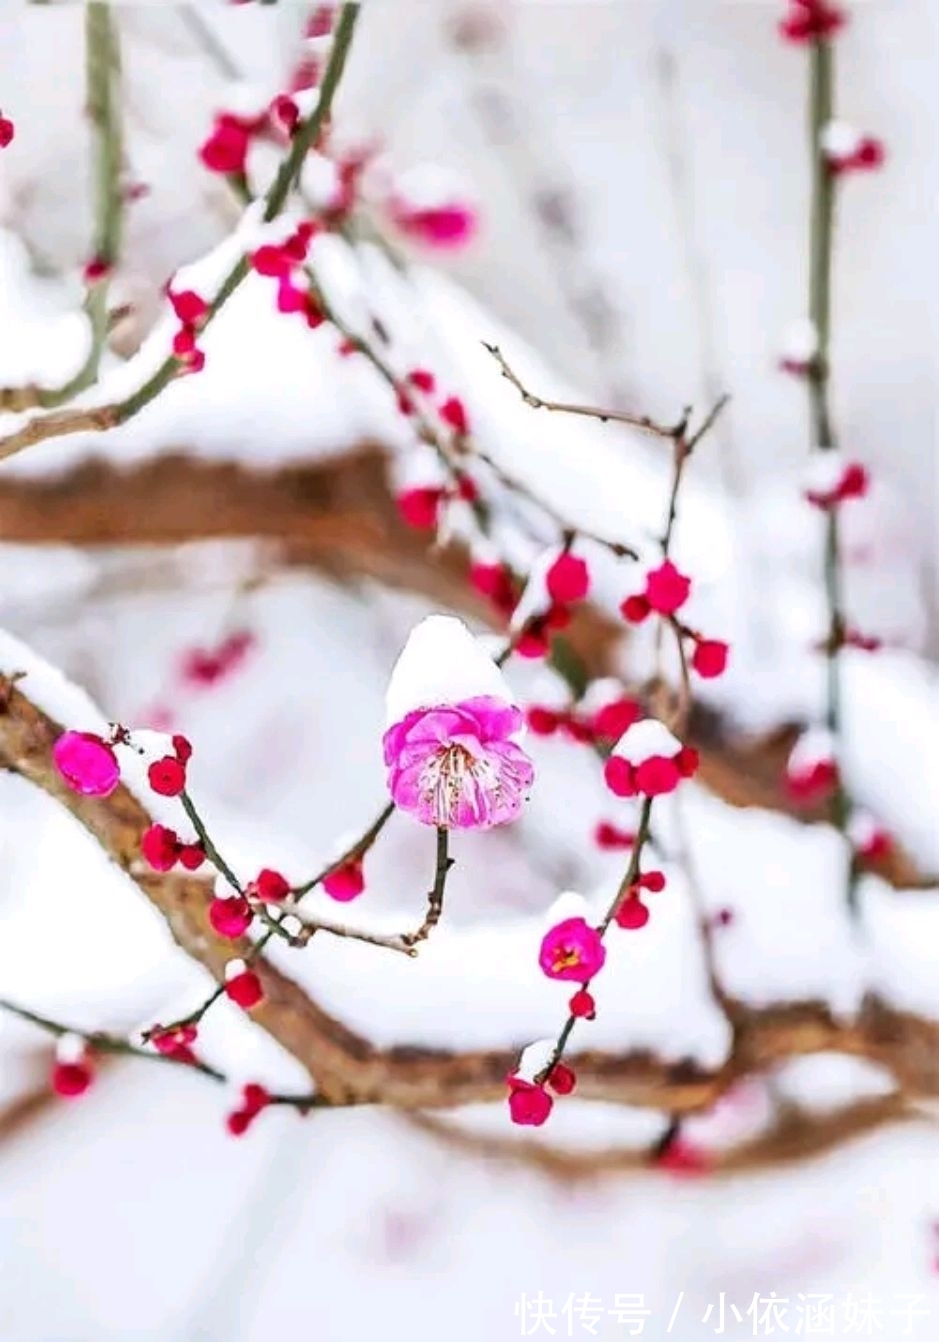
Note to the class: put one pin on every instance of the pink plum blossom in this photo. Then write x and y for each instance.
(458, 765)
(87, 763)
(447, 226)
(572, 950)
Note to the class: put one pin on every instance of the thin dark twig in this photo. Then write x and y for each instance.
(821, 245)
(99, 1041)
(435, 896)
(393, 941)
(625, 885)
(642, 422)
(355, 850)
(208, 846)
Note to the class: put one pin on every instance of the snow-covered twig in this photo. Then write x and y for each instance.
(102, 418)
(818, 29)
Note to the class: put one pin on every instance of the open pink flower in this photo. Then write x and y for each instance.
(572, 950)
(458, 765)
(87, 763)
(452, 743)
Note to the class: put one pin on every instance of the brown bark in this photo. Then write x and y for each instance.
(348, 1068)
(337, 514)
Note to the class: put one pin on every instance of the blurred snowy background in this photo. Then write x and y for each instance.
(640, 171)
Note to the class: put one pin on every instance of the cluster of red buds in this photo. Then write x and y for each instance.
(665, 591)
(281, 261)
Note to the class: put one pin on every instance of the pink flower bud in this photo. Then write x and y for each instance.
(87, 763)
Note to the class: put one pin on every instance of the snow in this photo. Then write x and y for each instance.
(533, 1058)
(799, 341)
(839, 139)
(646, 739)
(441, 663)
(425, 186)
(824, 470)
(815, 746)
(477, 987)
(535, 599)
(827, 1081)
(446, 1241)
(902, 928)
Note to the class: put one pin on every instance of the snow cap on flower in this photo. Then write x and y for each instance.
(530, 1104)
(451, 747)
(442, 663)
(798, 348)
(847, 149)
(72, 1072)
(70, 1047)
(430, 205)
(234, 968)
(839, 139)
(568, 904)
(645, 739)
(831, 478)
(420, 485)
(811, 769)
(871, 841)
(246, 101)
(814, 745)
(648, 760)
(534, 1058)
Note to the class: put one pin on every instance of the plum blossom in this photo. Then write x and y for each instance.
(799, 347)
(73, 1069)
(709, 658)
(666, 591)
(242, 985)
(847, 149)
(345, 882)
(529, 1105)
(831, 478)
(872, 842)
(649, 761)
(811, 21)
(811, 769)
(451, 748)
(87, 763)
(572, 950)
(429, 206)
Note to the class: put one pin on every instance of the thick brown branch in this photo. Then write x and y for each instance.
(348, 1068)
(339, 516)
